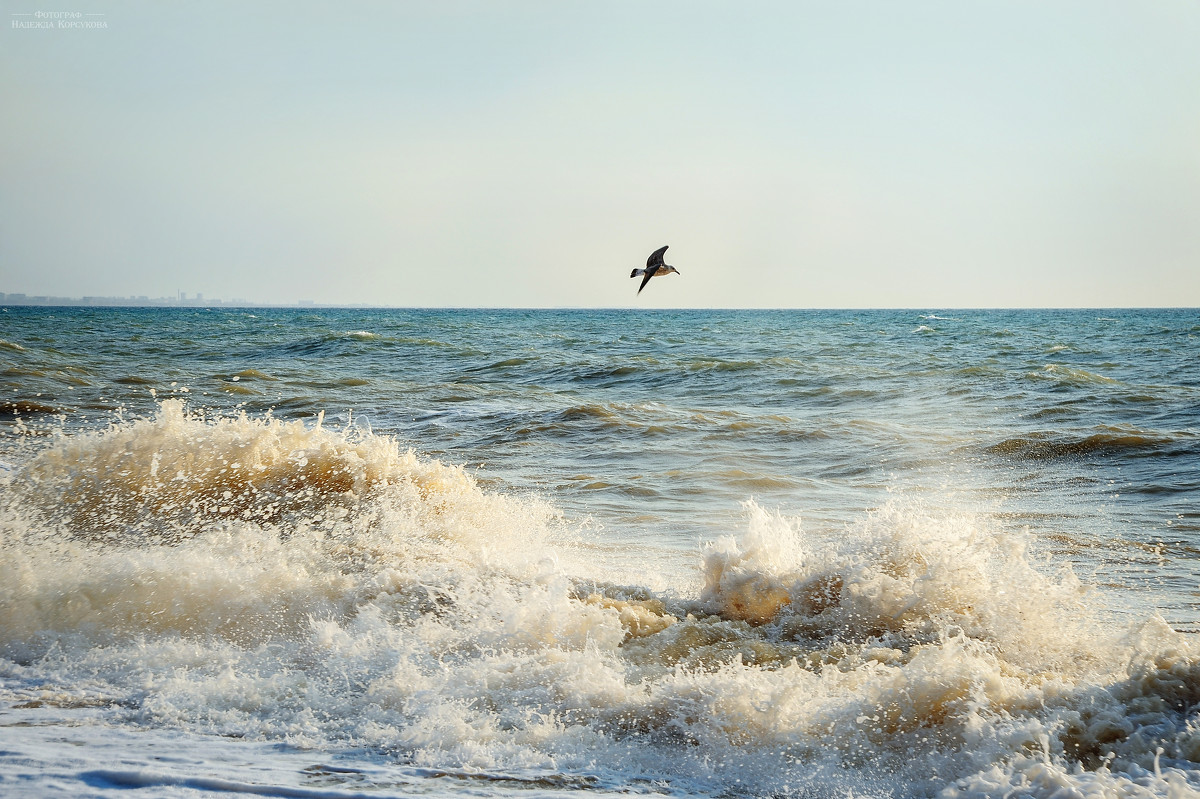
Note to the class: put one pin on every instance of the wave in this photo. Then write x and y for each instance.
(1108, 440)
(721, 365)
(27, 408)
(248, 577)
(1066, 375)
(15, 371)
(249, 374)
(171, 476)
(341, 382)
(652, 371)
(601, 374)
(504, 364)
(330, 343)
(654, 418)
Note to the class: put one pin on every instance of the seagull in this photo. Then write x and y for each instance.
(654, 266)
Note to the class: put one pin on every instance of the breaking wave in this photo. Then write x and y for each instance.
(259, 579)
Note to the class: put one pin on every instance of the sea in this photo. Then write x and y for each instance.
(332, 553)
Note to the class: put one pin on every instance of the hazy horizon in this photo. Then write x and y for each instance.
(468, 154)
(192, 303)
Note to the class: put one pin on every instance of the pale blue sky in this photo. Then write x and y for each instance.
(793, 154)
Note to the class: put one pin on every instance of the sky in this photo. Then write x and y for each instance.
(799, 154)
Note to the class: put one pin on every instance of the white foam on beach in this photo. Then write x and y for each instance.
(280, 583)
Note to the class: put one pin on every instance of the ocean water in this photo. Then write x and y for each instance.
(335, 553)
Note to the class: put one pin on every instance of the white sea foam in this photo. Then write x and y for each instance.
(1069, 375)
(271, 581)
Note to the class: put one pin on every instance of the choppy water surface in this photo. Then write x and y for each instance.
(380, 552)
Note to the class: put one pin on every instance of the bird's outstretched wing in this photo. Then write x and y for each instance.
(650, 270)
(656, 257)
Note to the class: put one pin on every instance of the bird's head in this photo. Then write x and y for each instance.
(669, 268)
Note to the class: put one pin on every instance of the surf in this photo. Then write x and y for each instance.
(243, 576)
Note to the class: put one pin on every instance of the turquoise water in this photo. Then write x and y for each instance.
(658, 516)
(1083, 424)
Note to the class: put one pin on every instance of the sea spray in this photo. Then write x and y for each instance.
(280, 581)
(200, 525)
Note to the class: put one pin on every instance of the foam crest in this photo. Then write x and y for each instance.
(274, 581)
(1067, 375)
(902, 573)
(239, 528)
(168, 476)
(746, 578)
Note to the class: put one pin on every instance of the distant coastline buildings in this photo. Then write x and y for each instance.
(182, 300)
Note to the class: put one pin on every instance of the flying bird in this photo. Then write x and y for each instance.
(654, 266)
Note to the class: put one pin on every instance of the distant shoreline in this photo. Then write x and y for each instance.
(37, 301)
(181, 301)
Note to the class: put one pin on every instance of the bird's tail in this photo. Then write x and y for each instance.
(637, 272)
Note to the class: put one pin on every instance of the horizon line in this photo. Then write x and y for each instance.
(308, 305)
